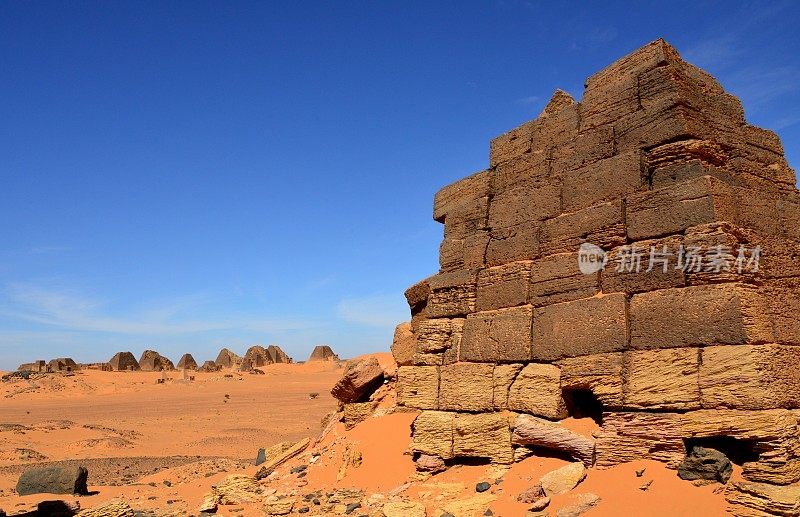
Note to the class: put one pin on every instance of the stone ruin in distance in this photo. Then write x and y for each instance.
(510, 331)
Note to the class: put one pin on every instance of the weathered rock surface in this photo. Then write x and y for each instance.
(563, 480)
(704, 463)
(529, 430)
(748, 499)
(359, 380)
(53, 480)
(113, 508)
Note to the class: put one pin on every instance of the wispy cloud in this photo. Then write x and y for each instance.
(727, 45)
(374, 311)
(530, 100)
(70, 310)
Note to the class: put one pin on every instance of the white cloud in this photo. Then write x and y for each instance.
(69, 310)
(374, 311)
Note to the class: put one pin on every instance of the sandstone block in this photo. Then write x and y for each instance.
(418, 386)
(484, 435)
(601, 224)
(502, 378)
(529, 430)
(498, 336)
(466, 387)
(512, 144)
(525, 202)
(437, 336)
(659, 436)
(602, 374)
(731, 314)
(750, 377)
(784, 303)
(557, 278)
(432, 433)
(748, 499)
(605, 180)
(359, 380)
(503, 286)
(675, 208)
(644, 129)
(530, 168)
(403, 344)
(662, 379)
(520, 242)
(449, 197)
(613, 92)
(643, 266)
(581, 327)
(564, 479)
(467, 218)
(537, 391)
(357, 412)
(590, 146)
(452, 294)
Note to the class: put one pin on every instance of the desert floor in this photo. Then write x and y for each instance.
(124, 426)
(162, 447)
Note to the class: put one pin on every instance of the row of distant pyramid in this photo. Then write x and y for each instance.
(150, 360)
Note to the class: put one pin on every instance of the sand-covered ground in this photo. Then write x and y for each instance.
(163, 447)
(125, 426)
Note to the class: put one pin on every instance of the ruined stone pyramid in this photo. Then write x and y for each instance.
(633, 257)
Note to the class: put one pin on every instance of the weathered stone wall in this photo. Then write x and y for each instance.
(655, 154)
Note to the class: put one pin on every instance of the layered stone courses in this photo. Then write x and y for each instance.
(655, 154)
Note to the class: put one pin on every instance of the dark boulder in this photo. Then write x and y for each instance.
(704, 463)
(53, 480)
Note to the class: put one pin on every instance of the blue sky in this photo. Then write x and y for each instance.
(190, 175)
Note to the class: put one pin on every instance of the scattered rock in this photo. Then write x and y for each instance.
(762, 499)
(237, 489)
(531, 494)
(705, 463)
(640, 473)
(583, 503)
(529, 430)
(113, 508)
(359, 380)
(483, 486)
(564, 479)
(646, 486)
(403, 509)
(540, 504)
(429, 463)
(53, 480)
(281, 506)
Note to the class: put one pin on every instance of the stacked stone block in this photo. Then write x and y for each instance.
(655, 154)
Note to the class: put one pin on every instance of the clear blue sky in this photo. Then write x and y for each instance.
(188, 175)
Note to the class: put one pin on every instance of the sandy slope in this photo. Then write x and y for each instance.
(95, 414)
(147, 437)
